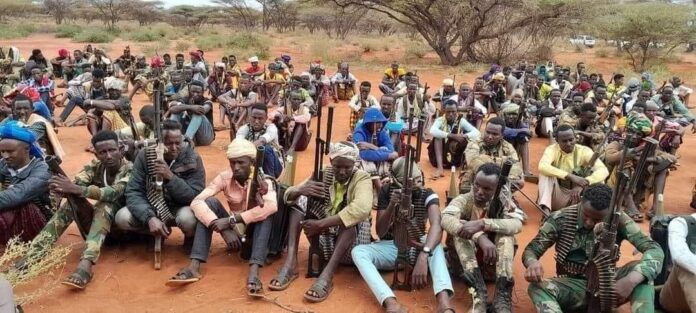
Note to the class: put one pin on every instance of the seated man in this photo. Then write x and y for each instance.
(262, 133)
(681, 90)
(548, 112)
(46, 136)
(271, 83)
(517, 133)
(672, 130)
(451, 133)
(146, 80)
(343, 83)
(568, 291)
(414, 100)
(43, 84)
(75, 67)
(638, 126)
(177, 88)
(178, 65)
(381, 255)
(219, 82)
(24, 201)
(110, 113)
(490, 147)
(255, 218)
(344, 201)
(677, 294)
(446, 92)
(195, 115)
(376, 149)
(466, 222)
(235, 103)
(565, 171)
(57, 63)
(145, 134)
(104, 180)
(154, 209)
(292, 120)
(394, 125)
(673, 108)
(361, 102)
(79, 91)
(392, 76)
(468, 105)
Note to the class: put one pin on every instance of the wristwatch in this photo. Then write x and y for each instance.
(232, 220)
(427, 251)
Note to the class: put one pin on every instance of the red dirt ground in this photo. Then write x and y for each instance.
(125, 281)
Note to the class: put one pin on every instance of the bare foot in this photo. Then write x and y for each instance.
(393, 306)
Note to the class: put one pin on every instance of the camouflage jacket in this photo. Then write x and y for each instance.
(478, 154)
(463, 207)
(584, 241)
(92, 177)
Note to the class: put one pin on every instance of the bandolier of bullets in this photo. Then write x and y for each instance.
(317, 208)
(155, 194)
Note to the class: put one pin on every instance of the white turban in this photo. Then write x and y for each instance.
(344, 149)
(240, 148)
(220, 64)
(253, 59)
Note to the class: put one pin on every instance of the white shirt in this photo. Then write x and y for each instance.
(403, 105)
(464, 126)
(339, 78)
(477, 104)
(681, 255)
(271, 134)
(371, 102)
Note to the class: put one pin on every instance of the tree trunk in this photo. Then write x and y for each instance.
(445, 54)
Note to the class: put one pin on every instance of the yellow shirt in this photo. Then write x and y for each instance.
(556, 163)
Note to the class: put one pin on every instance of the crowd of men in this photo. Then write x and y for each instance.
(611, 148)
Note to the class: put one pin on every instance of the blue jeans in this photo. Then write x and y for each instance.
(197, 128)
(381, 255)
(74, 101)
(271, 162)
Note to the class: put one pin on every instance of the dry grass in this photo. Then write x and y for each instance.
(37, 265)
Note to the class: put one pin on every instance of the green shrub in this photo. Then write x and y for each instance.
(67, 30)
(182, 46)
(243, 44)
(152, 33)
(601, 53)
(94, 35)
(17, 30)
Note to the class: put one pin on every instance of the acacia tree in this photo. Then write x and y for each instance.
(59, 9)
(649, 31)
(240, 11)
(454, 28)
(192, 17)
(112, 11)
(147, 12)
(13, 8)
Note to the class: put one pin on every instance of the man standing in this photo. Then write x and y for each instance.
(256, 217)
(195, 114)
(381, 255)
(572, 231)
(467, 222)
(104, 180)
(490, 148)
(346, 196)
(183, 177)
(24, 201)
(565, 171)
(451, 133)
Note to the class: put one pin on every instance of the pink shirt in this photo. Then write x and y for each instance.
(236, 196)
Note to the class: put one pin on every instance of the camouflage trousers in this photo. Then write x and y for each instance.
(466, 252)
(104, 213)
(565, 294)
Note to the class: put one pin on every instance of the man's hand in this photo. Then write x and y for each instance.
(460, 138)
(312, 189)
(163, 170)
(575, 194)
(63, 185)
(395, 197)
(490, 253)
(157, 228)
(260, 142)
(312, 227)
(393, 156)
(469, 228)
(220, 224)
(234, 243)
(419, 277)
(577, 180)
(625, 286)
(366, 146)
(534, 273)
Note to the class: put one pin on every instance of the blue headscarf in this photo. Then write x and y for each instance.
(14, 130)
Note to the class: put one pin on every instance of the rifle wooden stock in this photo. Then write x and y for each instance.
(401, 220)
(601, 268)
(453, 191)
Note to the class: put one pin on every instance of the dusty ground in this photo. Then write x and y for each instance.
(126, 282)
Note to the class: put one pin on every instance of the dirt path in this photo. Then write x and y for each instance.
(126, 282)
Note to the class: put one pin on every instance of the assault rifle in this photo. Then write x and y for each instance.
(585, 171)
(317, 207)
(406, 229)
(257, 189)
(601, 268)
(495, 208)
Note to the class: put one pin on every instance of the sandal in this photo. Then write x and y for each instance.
(322, 288)
(282, 281)
(183, 277)
(256, 289)
(78, 279)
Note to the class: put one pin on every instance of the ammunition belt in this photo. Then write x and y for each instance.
(570, 269)
(154, 194)
(567, 236)
(318, 208)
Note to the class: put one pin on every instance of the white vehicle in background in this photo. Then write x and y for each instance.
(585, 40)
